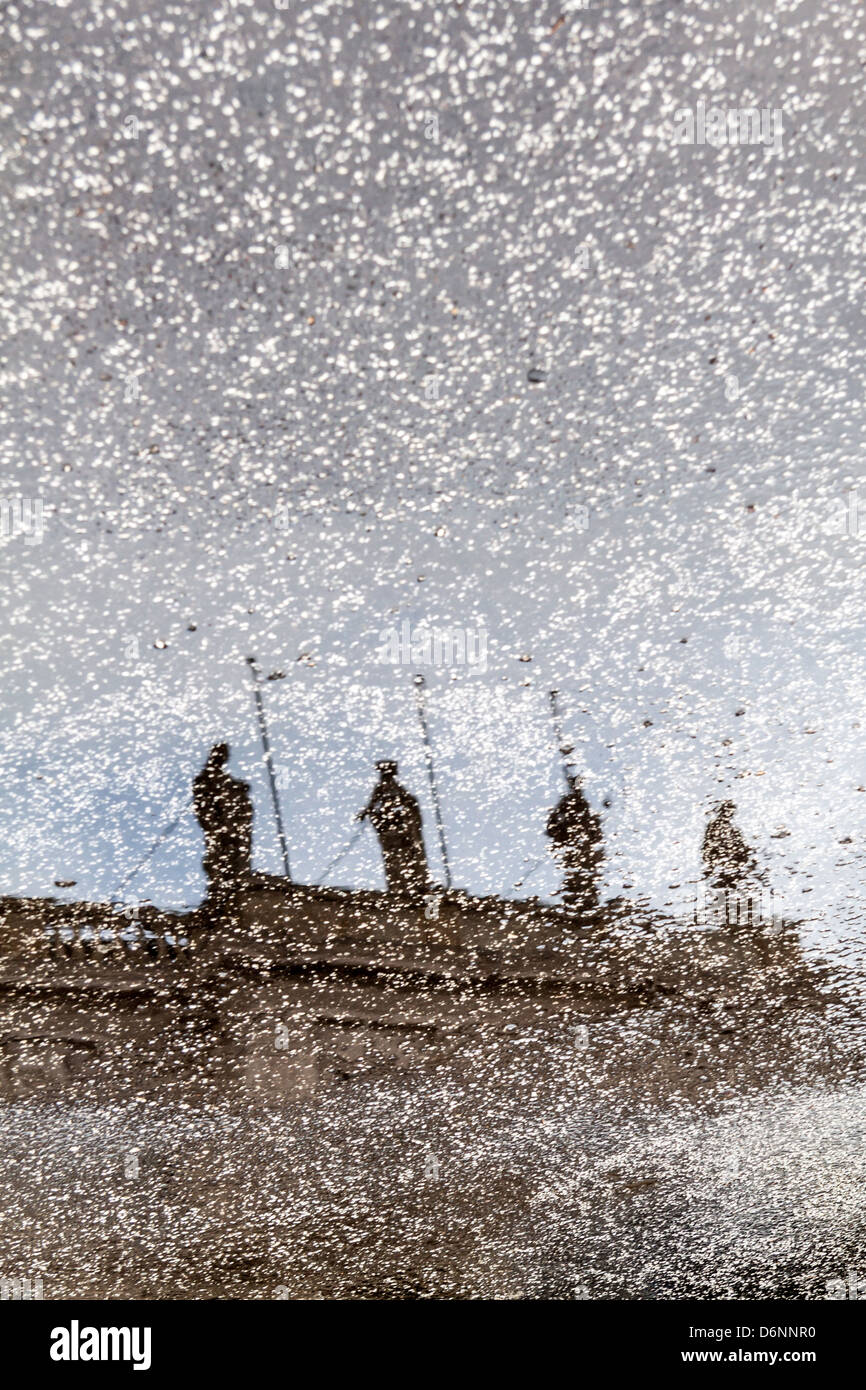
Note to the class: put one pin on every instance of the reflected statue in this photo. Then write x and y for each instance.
(729, 863)
(575, 830)
(395, 816)
(224, 810)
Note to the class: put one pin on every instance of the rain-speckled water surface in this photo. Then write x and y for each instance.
(434, 678)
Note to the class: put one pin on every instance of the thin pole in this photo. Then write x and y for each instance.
(564, 749)
(419, 700)
(169, 830)
(266, 745)
(343, 852)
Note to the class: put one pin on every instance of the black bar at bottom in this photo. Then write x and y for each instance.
(372, 1338)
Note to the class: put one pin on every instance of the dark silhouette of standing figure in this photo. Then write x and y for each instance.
(575, 830)
(395, 816)
(225, 813)
(728, 861)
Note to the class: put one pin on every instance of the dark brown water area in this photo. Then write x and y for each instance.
(637, 1110)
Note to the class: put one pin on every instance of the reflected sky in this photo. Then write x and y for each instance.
(324, 319)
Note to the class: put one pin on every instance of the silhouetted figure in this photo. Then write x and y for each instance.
(396, 818)
(729, 864)
(225, 813)
(575, 830)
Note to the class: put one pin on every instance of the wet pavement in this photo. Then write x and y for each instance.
(709, 1147)
(395, 340)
